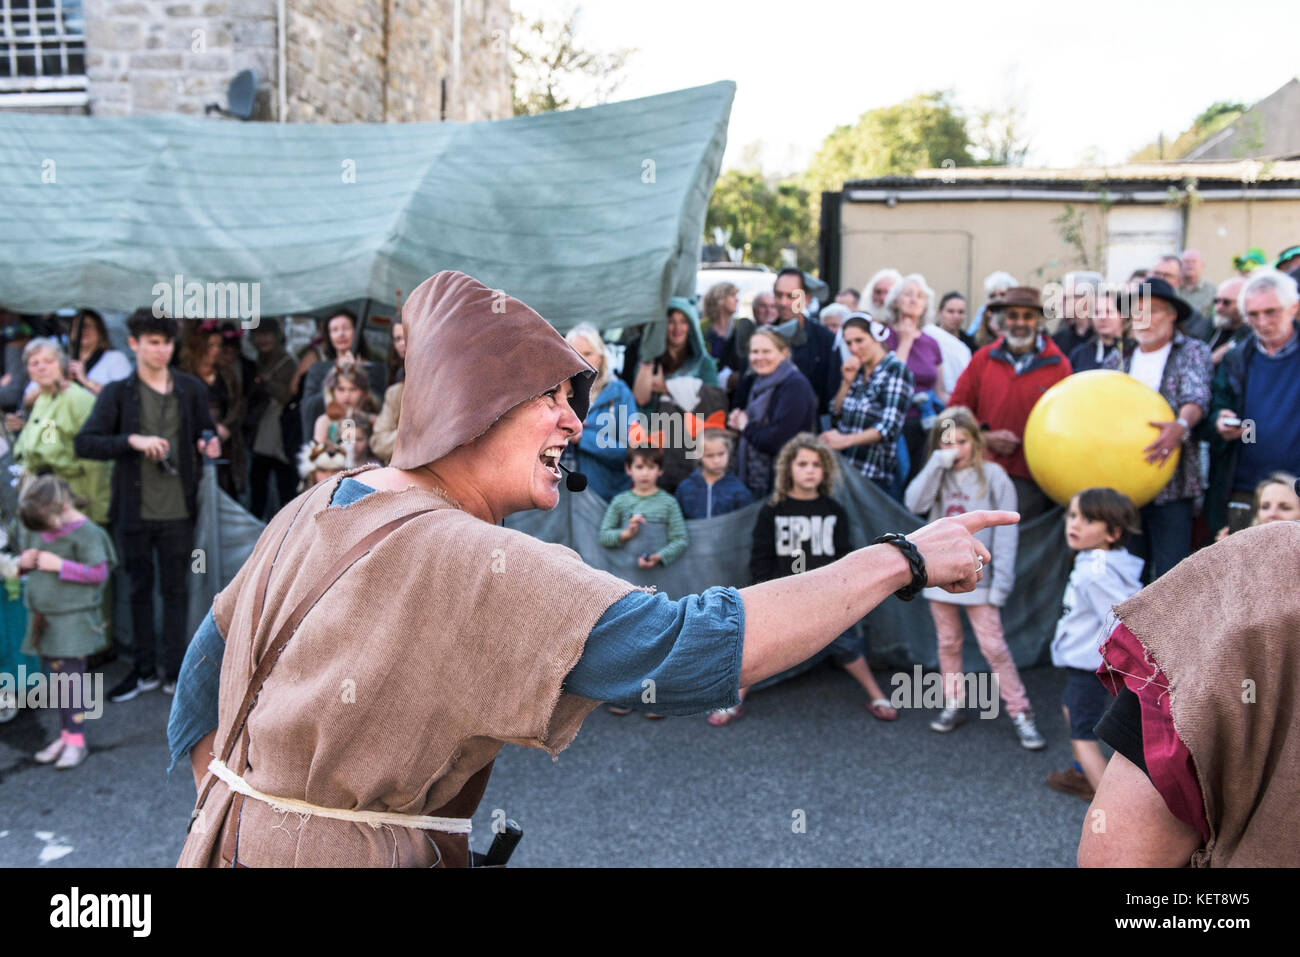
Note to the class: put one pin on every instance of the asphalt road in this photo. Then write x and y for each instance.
(632, 792)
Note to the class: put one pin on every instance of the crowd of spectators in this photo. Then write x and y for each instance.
(919, 393)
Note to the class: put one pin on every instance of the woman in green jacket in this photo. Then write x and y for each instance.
(45, 443)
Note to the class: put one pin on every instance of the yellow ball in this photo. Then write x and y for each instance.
(1090, 429)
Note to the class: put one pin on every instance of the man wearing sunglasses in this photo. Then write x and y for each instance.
(1229, 326)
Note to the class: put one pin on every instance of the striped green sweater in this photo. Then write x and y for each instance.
(659, 507)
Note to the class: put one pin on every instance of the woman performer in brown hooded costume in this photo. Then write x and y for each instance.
(1206, 725)
(387, 636)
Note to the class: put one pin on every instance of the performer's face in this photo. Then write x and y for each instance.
(513, 451)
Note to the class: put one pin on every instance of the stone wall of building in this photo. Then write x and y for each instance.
(177, 56)
(335, 55)
(421, 54)
(346, 60)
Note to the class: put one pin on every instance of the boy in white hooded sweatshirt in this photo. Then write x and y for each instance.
(956, 479)
(1098, 522)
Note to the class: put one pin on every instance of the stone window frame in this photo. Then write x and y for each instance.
(50, 27)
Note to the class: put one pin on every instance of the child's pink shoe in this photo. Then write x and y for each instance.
(72, 756)
(50, 753)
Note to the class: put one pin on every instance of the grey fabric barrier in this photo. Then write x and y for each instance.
(226, 533)
(899, 633)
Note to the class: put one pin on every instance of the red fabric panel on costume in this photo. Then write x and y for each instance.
(1169, 763)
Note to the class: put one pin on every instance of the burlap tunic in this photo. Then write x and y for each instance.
(447, 640)
(1224, 627)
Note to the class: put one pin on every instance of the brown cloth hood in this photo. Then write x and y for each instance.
(473, 354)
(1224, 627)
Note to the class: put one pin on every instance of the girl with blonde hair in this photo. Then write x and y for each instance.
(956, 479)
(800, 528)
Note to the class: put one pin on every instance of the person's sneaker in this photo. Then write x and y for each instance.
(50, 753)
(949, 718)
(169, 688)
(133, 685)
(71, 757)
(1072, 782)
(1027, 732)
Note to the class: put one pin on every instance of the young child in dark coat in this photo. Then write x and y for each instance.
(710, 490)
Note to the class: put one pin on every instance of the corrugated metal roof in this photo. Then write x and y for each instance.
(1236, 172)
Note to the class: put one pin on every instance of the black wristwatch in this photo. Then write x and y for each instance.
(914, 561)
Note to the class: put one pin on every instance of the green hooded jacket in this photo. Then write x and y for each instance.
(699, 363)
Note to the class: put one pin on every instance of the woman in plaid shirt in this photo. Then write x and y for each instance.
(874, 396)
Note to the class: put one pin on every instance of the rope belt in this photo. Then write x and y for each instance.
(448, 825)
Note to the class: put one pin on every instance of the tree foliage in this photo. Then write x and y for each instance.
(998, 135)
(763, 217)
(919, 133)
(551, 70)
(1210, 121)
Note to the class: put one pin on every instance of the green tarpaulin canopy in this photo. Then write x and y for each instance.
(588, 215)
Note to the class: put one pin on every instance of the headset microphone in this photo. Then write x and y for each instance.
(574, 481)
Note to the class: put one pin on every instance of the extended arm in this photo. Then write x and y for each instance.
(789, 619)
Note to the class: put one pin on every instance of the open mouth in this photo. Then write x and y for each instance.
(551, 459)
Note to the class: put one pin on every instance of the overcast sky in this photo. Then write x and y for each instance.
(1101, 77)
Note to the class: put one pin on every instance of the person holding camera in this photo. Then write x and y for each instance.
(148, 424)
(1256, 397)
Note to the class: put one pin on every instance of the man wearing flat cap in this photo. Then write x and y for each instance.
(388, 636)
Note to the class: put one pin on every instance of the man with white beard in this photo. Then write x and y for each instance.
(1229, 326)
(1003, 382)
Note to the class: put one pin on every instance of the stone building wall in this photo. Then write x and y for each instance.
(421, 54)
(335, 55)
(346, 60)
(176, 56)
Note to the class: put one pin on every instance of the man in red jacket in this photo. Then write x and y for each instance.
(1003, 382)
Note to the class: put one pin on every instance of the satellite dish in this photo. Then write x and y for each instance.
(243, 88)
(240, 96)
